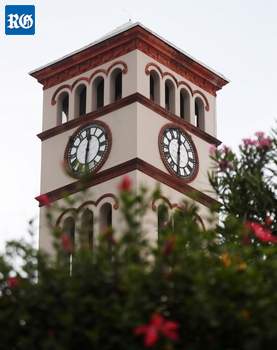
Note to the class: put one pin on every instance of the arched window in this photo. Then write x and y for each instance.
(116, 85)
(105, 217)
(184, 105)
(69, 229)
(169, 96)
(98, 93)
(154, 82)
(63, 106)
(199, 113)
(86, 232)
(163, 218)
(80, 100)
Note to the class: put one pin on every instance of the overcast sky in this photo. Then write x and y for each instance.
(236, 38)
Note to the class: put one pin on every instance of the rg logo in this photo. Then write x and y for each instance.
(20, 20)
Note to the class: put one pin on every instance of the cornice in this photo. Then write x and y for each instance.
(136, 97)
(126, 167)
(121, 44)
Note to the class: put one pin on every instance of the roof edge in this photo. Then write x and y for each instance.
(121, 29)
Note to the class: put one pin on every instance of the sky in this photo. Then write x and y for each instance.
(236, 38)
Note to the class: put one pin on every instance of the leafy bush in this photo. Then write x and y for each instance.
(195, 289)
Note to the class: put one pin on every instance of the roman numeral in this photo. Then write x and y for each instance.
(73, 162)
(188, 168)
(103, 143)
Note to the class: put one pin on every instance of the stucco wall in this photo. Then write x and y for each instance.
(111, 187)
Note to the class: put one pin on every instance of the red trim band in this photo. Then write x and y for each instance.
(136, 97)
(126, 167)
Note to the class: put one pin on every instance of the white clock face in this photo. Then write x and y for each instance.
(87, 149)
(178, 152)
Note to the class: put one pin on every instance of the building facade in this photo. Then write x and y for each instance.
(130, 104)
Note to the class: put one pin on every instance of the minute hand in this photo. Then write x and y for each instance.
(87, 149)
(178, 153)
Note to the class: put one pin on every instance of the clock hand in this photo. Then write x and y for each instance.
(178, 152)
(87, 148)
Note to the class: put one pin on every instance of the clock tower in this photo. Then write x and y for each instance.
(130, 103)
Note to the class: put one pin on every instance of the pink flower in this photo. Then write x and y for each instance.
(67, 243)
(264, 143)
(13, 282)
(126, 184)
(43, 200)
(157, 326)
(259, 134)
(262, 233)
(249, 142)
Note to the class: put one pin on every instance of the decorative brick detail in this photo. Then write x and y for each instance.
(134, 38)
(76, 211)
(88, 80)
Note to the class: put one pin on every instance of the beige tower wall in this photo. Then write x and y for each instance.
(111, 191)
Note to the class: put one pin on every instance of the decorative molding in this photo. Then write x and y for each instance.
(182, 207)
(76, 211)
(126, 167)
(171, 206)
(164, 160)
(136, 97)
(88, 80)
(135, 38)
(178, 83)
(107, 152)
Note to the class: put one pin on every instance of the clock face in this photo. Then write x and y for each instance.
(88, 149)
(178, 152)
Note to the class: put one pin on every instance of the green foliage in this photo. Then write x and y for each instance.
(217, 285)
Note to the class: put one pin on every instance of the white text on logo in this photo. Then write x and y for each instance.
(22, 21)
